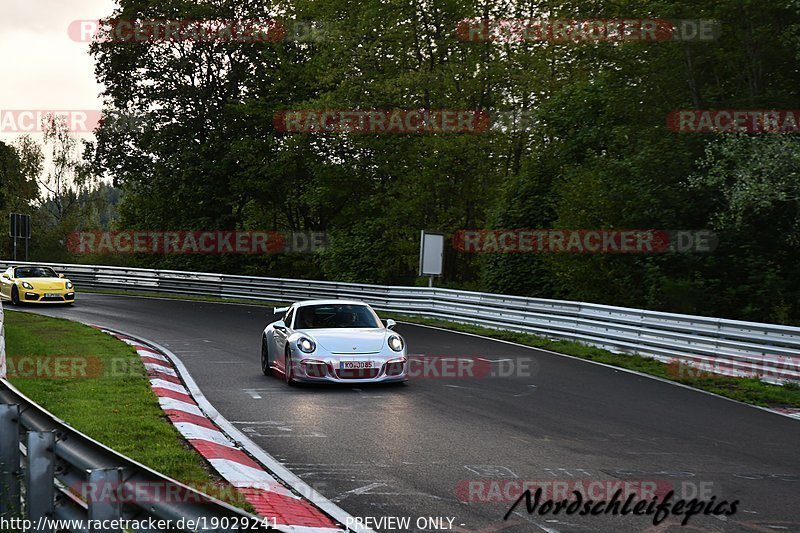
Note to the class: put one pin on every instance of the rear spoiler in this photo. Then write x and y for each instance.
(279, 310)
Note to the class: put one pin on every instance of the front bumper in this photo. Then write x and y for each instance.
(55, 296)
(386, 369)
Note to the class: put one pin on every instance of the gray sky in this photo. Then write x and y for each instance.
(43, 67)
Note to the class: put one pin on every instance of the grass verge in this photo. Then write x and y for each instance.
(747, 390)
(99, 386)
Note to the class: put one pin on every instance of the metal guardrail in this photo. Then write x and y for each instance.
(726, 346)
(50, 472)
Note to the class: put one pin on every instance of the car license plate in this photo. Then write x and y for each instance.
(52, 295)
(354, 365)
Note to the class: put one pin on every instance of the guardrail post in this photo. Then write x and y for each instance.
(39, 486)
(9, 461)
(107, 483)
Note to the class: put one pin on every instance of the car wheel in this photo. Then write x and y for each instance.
(266, 364)
(288, 370)
(14, 295)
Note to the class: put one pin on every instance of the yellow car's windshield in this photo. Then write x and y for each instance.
(35, 272)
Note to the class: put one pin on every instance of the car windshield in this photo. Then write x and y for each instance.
(335, 316)
(35, 272)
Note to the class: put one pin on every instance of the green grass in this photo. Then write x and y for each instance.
(747, 390)
(105, 395)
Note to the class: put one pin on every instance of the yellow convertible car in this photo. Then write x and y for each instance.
(35, 284)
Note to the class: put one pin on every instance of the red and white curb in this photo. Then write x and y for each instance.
(787, 411)
(222, 446)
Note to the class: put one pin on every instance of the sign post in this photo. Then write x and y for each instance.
(431, 255)
(20, 228)
(2, 345)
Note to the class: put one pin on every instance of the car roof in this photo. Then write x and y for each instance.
(328, 302)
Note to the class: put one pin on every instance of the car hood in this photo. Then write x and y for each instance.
(346, 340)
(44, 283)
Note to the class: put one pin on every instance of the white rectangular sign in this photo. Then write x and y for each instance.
(431, 254)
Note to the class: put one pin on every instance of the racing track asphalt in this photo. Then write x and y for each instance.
(402, 451)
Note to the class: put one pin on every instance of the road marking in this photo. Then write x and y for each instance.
(531, 389)
(558, 472)
(311, 435)
(287, 432)
(490, 471)
(286, 429)
(537, 524)
(365, 396)
(358, 491)
(260, 423)
(256, 393)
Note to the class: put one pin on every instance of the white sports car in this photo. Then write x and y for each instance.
(341, 341)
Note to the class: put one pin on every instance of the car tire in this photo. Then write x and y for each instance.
(266, 364)
(14, 295)
(288, 370)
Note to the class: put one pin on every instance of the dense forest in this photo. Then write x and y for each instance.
(584, 144)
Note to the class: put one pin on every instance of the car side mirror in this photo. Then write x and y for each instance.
(390, 324)
(280, 325)
(61, 275)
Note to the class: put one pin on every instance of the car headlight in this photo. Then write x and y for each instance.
(69, 285)
(27, 285)
(306, 345)
(395, 343)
